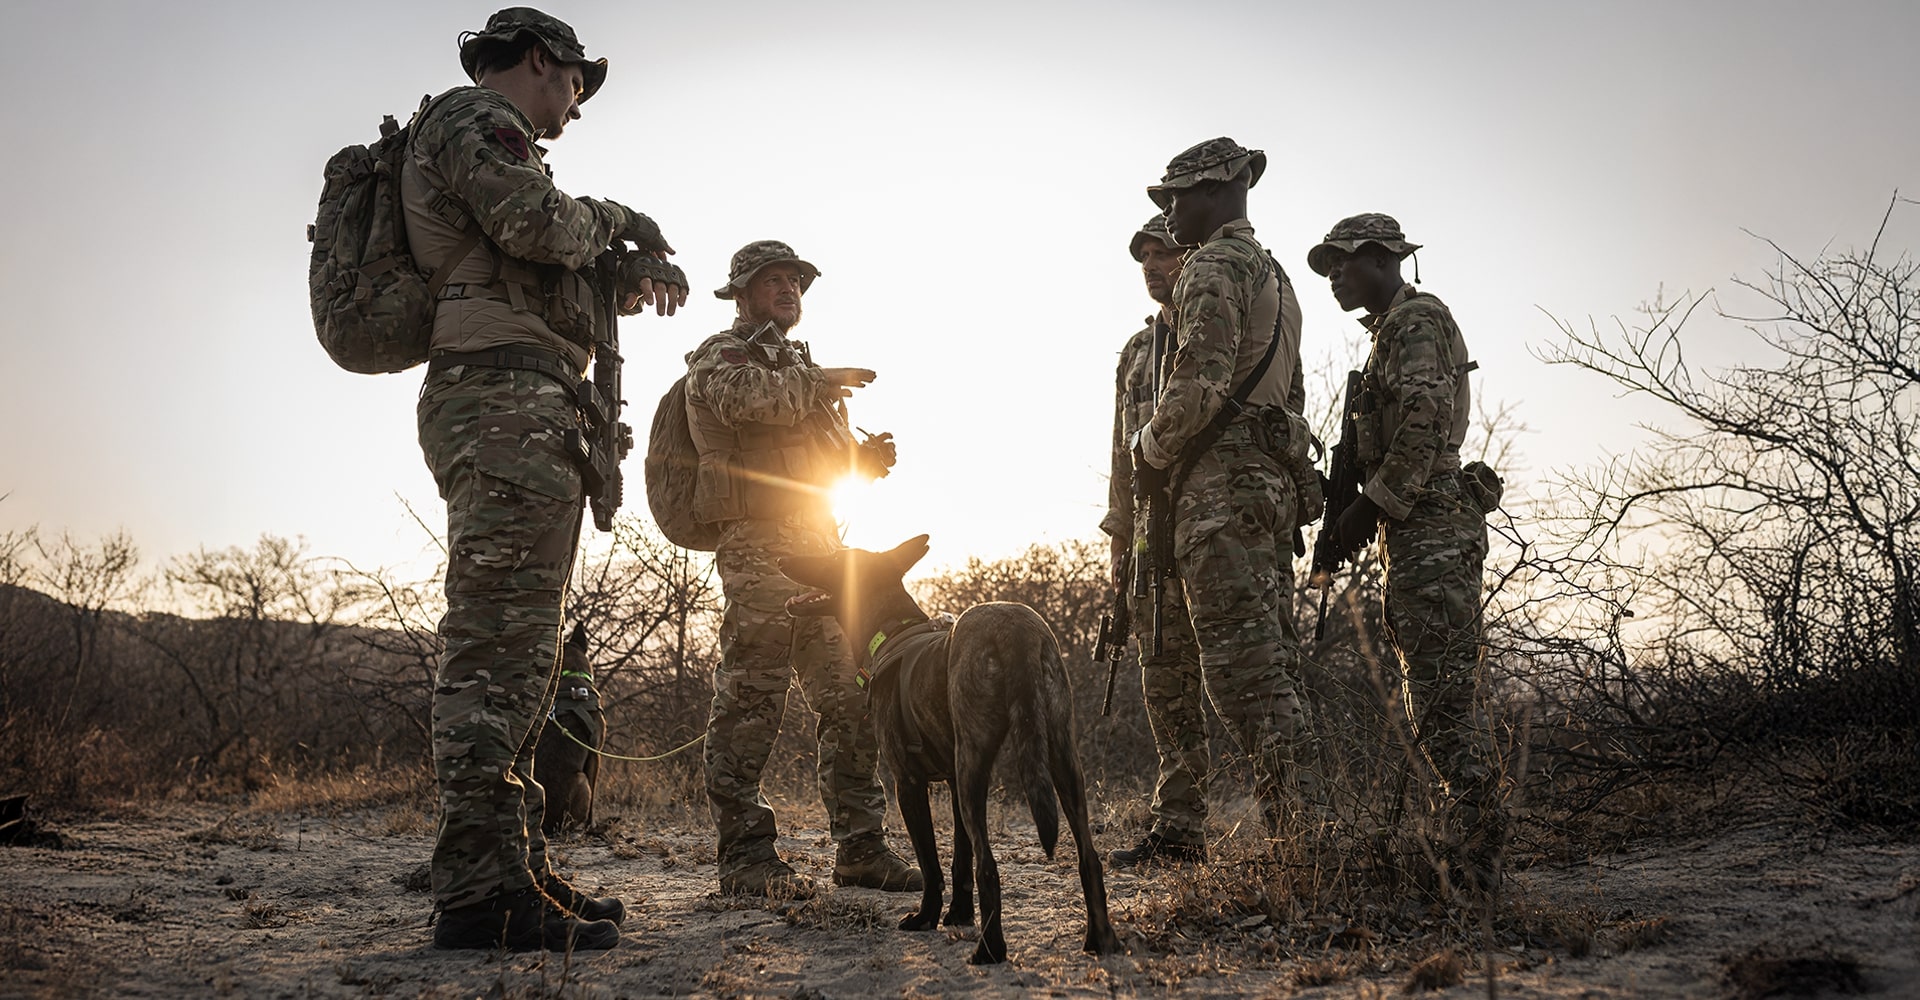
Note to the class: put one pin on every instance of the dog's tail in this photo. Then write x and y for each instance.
(1032, 738)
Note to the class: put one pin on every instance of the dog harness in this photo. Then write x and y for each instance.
(905, 649)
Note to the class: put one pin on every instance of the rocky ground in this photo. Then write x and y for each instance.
(203, 901)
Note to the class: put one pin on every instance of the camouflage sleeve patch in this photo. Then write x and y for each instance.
(514, 140)
(734, 356)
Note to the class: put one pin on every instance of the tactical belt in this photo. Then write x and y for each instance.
(532, 359)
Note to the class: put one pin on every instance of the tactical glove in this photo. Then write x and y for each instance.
(636, 266)
(1145, 475)
(877, 455)
(1357, 526)
(636, 228)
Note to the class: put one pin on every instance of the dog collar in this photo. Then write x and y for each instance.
(864, 675)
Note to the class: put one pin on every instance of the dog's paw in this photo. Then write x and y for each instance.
(984, 955)
(1107, 943)
(917, 921)
(957, 917)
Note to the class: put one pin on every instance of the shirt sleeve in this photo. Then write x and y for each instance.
(1118, 523)
(1201, 376)
(489, 165)
(1417, 373)
(723, 376)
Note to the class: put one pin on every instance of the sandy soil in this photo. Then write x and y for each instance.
(197, 901)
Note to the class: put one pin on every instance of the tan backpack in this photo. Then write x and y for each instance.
(372, 306)
(672, 469)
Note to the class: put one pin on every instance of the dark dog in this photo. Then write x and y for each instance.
(564, 762)
(944, 702)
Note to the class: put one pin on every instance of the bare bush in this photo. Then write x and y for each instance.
(1769, 537)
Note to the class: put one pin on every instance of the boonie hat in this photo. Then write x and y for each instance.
(1154, 229)
(1355, 231)
(512, 22)
(1219, 159)
(749, 259)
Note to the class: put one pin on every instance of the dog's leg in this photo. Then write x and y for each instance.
(961, 913)
(917, 813)
(1071, 785)
(970, 789)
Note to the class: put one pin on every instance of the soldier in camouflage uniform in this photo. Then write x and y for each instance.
(512, 334)
(771, 429)
(1171, 681)
(1235, 506)
(1432, 521)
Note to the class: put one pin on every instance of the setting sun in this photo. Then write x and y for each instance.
(852, 497)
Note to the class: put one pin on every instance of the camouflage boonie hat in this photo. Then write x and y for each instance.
(1219, 159)
(510, 23)
(751, 258)
(1154, 229)
(1351, 233)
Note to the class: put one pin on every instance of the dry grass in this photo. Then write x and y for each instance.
(1436, 972)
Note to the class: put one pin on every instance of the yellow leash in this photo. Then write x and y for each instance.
(614, 756)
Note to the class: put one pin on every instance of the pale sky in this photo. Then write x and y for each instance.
(966, 177)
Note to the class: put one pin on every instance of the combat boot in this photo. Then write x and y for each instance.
(522, 920)
(772, 878)
(1155, 849)
(579, 903)
(873, 865)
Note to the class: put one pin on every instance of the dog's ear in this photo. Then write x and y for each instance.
(578, 639)
(904, 555)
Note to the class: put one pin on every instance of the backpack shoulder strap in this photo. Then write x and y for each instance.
(473, 233)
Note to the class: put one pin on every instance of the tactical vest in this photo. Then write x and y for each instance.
(767, 471)
(491, 300)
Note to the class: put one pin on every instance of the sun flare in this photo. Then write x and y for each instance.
(851, 496)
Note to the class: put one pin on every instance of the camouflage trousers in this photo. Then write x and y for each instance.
(1233, 556)
(492, 438)
(1434, 560)
(762, 650)
(1173, 687)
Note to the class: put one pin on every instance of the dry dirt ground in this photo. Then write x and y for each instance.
(201, 901)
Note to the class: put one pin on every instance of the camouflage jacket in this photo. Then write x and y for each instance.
(1133, 399)
(1417, 373)
(753, 374)
(1226, 302)
(473, 158)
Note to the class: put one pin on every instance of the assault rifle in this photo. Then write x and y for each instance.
(1342, 489)
(608, 437)
(1114, 626)
(1153, 550)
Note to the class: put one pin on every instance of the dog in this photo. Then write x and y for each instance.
(945, 699)
(565, 761)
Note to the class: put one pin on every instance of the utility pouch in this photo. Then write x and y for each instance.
(1483, 486)
(1367, 446)
(568, 306)
(586, 396)
(1288, 437)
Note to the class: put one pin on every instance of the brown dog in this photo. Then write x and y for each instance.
(565, 762)
(945, 699)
